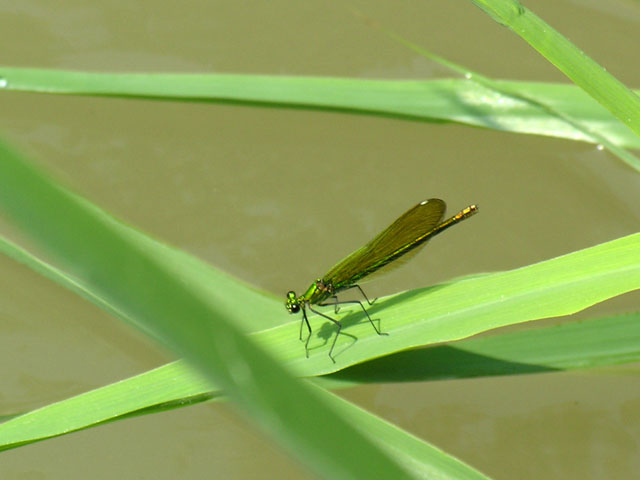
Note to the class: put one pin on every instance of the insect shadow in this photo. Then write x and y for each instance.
(328, 330)
(403, 238)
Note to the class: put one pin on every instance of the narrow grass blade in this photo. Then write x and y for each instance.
(454, 100)
(571, 345)
(173, 383)
(440, 313)
(448, 312)
(419, 317)
(423, 459)
(144, 285)
(584, 344)
(519, 95)
(569, 59)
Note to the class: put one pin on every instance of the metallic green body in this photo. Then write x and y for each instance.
(401, 240)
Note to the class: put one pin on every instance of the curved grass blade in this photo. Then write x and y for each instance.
(570, 60)
(585, 344)
(448, 312)
(548, 283)
(420, 458)
(400, 241)
(145, 286)
(426, 460)
(518, 95)
(453, 100)
(562, 285)
(175, 382)
(578, 279)
(572, 345)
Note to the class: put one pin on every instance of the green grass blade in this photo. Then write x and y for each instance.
(518, 95)
(568, 58)
(575, 345)
(552, 288)
(10, 249)
(453, 100)
(172, 383)
(419, 317)
(584, 344)
(555, 287)
(261, 312)
(424, 459)
(417, 456)
(145, 286)
(448, 312)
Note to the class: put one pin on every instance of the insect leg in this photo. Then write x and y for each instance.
(337, 322)
(335, 304)
(363, 309)
(370, 302)
(305, 320)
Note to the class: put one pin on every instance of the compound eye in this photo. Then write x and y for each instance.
(295, 308)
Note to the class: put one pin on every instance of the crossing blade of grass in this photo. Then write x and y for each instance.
(456, 310)
(144, 286)
(454, 100)
(263, 310)
(501, 89)
(420, 317)
(590, 343)
(571, 345)
(419, 457)
(554, 287)
(410, 450)
(602, 342)
(172, 384)
(569, 59)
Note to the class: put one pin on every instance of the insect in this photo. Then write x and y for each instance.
(399, 242)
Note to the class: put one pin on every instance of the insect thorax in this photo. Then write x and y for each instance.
(317, 292)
